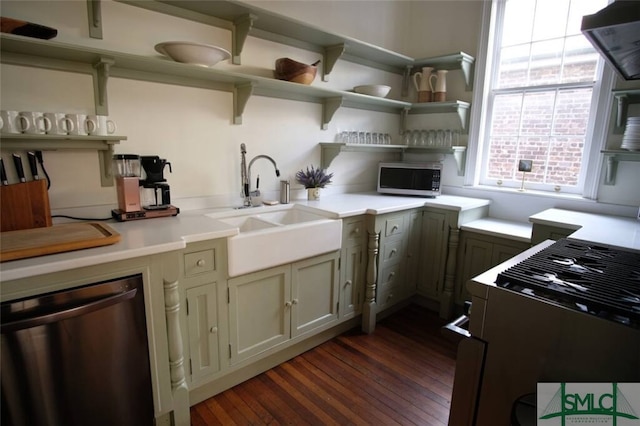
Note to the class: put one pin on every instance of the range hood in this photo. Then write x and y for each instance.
(615, 32)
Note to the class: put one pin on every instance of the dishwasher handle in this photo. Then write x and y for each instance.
(67, 313)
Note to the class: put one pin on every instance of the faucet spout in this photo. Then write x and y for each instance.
(256, 193)
(245, 174)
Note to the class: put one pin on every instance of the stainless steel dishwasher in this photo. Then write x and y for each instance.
(77, 357)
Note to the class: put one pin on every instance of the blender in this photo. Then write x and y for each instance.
(127, 175)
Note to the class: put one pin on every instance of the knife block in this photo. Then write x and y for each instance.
(24, 206)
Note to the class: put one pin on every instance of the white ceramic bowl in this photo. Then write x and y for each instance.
(193, 53)
(377, 90)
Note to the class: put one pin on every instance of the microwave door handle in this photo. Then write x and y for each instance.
(67, 313)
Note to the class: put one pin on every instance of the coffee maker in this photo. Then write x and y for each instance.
(142, 198)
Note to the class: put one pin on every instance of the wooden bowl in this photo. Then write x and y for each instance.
(289, 70)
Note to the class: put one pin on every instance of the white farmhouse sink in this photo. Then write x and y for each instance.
(272, 236)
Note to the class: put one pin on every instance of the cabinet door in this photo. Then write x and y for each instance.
(314, 293)
(413, 252)
(476, 258)
(502, 252)
(202, 320)
(433, 255)
(352, 281)
(259, 311)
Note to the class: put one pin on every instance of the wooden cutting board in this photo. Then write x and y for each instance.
(55, 239)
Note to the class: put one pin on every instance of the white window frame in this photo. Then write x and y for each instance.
(479, 126)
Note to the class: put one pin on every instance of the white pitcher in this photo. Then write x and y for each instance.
(440, 89)
(422, 82)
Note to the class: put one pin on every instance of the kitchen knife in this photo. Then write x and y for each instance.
(33, 165)
(3, 174)
(17, 161)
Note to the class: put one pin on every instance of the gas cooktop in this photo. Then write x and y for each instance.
(597, 279)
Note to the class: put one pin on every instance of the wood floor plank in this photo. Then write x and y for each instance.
(402, 374)
(400, 385)
(348, 375)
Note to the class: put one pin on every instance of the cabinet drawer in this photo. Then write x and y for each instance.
(392, 252)
(394, 226)
(387, 298)
(198, 262)
(353, 232)
(390, 276)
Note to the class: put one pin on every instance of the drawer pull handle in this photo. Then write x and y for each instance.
(394, 228)
(200, 263)
(213, 330)
(294, 301)
(287, 304)
(356, 231)
(391, 274)
(347, 283)
(394, 251)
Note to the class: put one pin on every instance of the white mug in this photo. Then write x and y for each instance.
(60, 124)
(78, 124)
(33, 122)
(100, 125)
(10, 122)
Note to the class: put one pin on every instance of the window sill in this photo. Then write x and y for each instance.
(529, 192)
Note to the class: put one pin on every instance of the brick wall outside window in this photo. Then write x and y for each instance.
(548, 127)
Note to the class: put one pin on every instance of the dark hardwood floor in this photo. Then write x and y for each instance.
(401, 374)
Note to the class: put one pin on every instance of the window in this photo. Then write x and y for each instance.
(541, 95)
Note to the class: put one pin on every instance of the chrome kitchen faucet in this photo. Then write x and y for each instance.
(245, 175)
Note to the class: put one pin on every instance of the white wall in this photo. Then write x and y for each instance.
(193, 128)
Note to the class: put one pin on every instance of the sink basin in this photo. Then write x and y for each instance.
(272, 236)
(248, 223)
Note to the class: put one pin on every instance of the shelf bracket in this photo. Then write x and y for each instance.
(105, 158)
(463, 115)
(100, 79)
(460, 155)
(467, 67)
(329, 108)
(403, 120)
(610, 173)
(241, 94)
(330, 57)
(621, 113)
(406, 77)
(94, 10)
(327, 154)
(241, 28)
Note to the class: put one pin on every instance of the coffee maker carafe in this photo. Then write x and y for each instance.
(156, 194)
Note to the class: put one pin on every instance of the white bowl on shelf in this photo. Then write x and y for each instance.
(188, 52)
(377, 90)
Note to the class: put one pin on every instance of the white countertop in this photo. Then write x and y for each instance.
(345, 205)
(611, 230)
(517, 231)
(153, 236)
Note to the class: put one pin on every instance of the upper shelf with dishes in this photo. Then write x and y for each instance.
(244, 20)
(241, 20)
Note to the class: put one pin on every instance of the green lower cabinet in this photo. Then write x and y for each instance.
(479, 253)
(203, 321)
(352, 267)
(270, 307)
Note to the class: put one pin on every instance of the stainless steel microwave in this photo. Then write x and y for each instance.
(421, 179)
